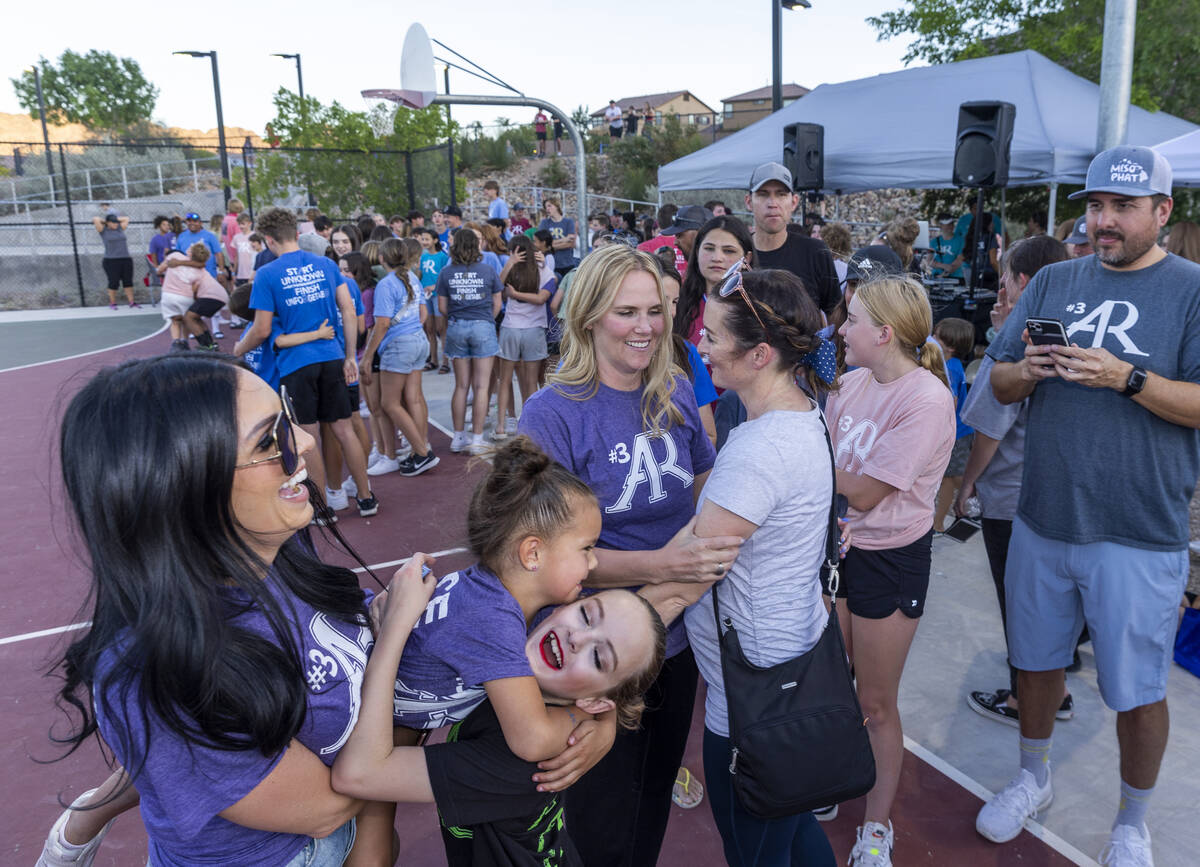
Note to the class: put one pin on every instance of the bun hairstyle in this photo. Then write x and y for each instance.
(527, 493)
(901, 303)
(901, 232)
(790, 315)
(629, 696)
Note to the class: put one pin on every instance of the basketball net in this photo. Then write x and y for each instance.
(381, 115)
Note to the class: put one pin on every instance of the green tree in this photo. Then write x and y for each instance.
(1069, 32)
(635, 160)
(97, 89)
(581, 118)
(330, 150)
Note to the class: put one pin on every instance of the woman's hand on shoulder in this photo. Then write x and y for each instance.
(405, 599)
(589, 743)
(688, 557)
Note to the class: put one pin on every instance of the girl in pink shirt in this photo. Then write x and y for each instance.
(892, 422)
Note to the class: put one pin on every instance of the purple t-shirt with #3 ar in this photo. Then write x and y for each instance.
(472, 631)
(644, 483)
(183, 786)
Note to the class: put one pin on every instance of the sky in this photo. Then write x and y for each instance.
(568, 52)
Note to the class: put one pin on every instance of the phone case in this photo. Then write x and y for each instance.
(1044, 332)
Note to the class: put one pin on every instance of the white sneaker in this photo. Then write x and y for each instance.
(364, 411)
(383, 466)
(1003, 817)
(349, 488)
(510, 426)
(1128, 847)
(459, 441)
(336, 500)
(873, 846)
(404, 449)
(373, 457)
(57, 852)
(478, 446)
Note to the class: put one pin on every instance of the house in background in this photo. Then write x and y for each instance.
(753, 105)
(681, 102)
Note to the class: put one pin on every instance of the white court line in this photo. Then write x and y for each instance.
(86, 354)
(42, 633)
(980, 791)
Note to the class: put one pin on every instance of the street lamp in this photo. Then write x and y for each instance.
(777, 7)
(303, 112)
(212, 55)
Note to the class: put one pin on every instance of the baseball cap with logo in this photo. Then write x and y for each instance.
(1079, 233)
(770, 172)
(191, 215)
(873, 261)
(688, 218)
(1128, 170)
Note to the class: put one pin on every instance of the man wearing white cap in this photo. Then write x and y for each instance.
(772, 202)
(1101, 531)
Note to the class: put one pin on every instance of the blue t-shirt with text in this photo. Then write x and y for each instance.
(300, 289)
(432, 265)
(468, 290)
(559, 229)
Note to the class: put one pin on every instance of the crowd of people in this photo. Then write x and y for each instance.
(678, 381)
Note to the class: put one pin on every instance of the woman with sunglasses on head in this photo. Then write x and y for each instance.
(224, 660)
(772, 485)
(720, 243)
(893, 428)
(618, 415)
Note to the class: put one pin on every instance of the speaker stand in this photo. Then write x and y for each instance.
(979, 255)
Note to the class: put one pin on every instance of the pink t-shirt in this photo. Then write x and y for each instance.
(210, 288)
(901, 433)
(181, 281)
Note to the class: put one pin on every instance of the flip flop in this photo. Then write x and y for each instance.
(688, 792)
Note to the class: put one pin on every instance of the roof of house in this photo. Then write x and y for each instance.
(790, 91)
(655, 99)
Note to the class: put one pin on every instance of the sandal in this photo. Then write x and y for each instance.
(688, 792)
(445, 368)
(430, 365)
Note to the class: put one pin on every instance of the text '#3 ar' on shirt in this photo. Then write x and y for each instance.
(1099, 467)
(472, 631)
(300, 289)
(184, 787)
(468, 290)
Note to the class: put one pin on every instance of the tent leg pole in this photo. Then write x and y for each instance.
(1051, 222)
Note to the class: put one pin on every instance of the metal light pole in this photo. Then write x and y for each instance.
(37, 80)
(777, 7)
(303, 114)
(212, 55)
(1116, 73)
(450, 140)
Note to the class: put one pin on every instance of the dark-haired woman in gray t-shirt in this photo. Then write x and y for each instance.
(118, 264)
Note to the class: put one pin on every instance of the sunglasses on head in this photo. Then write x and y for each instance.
(732, 282)
(283, 435)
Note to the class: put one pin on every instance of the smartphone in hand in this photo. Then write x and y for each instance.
(1046, 332)
(962, 529)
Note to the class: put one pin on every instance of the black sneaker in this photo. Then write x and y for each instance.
(415, 464)
(993, 705)
(367, 507)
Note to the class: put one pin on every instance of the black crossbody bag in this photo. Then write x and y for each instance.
(797, 734)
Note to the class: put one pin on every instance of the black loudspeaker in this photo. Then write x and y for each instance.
(982, 147)
(804, 155)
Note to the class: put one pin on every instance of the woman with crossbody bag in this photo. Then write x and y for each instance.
(773, 486)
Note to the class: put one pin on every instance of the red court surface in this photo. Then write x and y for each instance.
(44, 587)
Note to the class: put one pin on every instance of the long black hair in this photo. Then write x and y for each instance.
(694, 287)
(148, 451)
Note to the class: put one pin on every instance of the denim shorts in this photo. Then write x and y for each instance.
(471, 338)
(431, 304)
(1129, 598)
(522, 344)
(405, 353)
(328, 851)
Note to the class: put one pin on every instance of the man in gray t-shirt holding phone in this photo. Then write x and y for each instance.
(1112, 456)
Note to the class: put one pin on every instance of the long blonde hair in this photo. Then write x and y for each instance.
(901, 303)
(593, 291)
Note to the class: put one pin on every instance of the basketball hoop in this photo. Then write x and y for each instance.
(381, 115)
(416, 82)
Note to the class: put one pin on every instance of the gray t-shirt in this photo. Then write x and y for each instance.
(999, 485)
(115, 245)
(1098, 466)
(775, 472)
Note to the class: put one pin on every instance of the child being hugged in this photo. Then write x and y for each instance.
(533, 527)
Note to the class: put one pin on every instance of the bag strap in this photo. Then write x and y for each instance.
(833, 538)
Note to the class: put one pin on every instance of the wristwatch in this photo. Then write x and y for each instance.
(1135, 383)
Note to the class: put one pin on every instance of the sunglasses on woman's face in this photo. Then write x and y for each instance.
(731, 282)
(283, 435)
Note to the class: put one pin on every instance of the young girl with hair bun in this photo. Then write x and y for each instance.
(892, 423)
(533, 527)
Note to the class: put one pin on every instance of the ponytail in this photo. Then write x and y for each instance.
(394, 257)
(929, 356)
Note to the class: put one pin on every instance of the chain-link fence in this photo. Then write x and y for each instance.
(51, 252)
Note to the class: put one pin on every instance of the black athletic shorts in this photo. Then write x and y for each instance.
(206, 306)
(541, 136)
(354, 398)
(319, 392)
(118, 271)
(876, 583)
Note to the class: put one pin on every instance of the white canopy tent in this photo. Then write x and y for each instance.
(898, 129)
(1183, 153)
